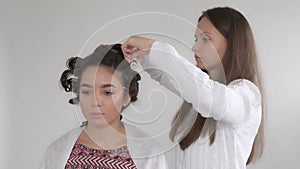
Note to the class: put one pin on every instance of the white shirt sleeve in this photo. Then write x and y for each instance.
(231, 104)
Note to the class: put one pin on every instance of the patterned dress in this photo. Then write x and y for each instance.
(83, 157)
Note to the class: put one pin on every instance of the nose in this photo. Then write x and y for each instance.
(194, 47)
(97, 100)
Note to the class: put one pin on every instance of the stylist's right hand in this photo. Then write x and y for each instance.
(136, 47)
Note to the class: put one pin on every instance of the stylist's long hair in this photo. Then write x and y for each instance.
(240, 62)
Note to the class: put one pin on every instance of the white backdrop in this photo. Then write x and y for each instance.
(36, 38)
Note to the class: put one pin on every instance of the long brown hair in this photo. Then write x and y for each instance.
(240, 62)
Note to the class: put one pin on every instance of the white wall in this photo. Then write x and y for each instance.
(4, 101)
(37, 37)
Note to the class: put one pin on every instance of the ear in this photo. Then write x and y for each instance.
(127, 99)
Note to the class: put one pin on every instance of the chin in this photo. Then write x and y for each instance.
(98, 122)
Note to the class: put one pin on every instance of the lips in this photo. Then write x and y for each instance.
(97, 114)
(197, 58)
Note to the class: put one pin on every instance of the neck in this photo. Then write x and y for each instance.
(106, 136)
(217, 74)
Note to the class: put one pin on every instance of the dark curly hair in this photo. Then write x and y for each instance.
(104, 55)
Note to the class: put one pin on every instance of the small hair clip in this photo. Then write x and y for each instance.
(83, 124)
(134, 64)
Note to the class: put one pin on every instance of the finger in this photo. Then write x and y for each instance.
(126, 47)
(126, 51)
(128, 59)
(127, 56)
(134, 49)
(129, 49)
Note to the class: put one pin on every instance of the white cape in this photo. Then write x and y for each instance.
(143, 150)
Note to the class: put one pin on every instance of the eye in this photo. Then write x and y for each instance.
(205, 38)
(86, 92)
(107, 93)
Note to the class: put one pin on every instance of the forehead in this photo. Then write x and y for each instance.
(205, 25)
(99, 75)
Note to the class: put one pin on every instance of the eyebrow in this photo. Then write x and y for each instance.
(107, 85)
(102, 86)
(86, 85)
(205, 33)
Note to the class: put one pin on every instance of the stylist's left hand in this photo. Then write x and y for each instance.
(136, 47)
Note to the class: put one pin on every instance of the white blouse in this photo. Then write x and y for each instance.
(236, 108)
